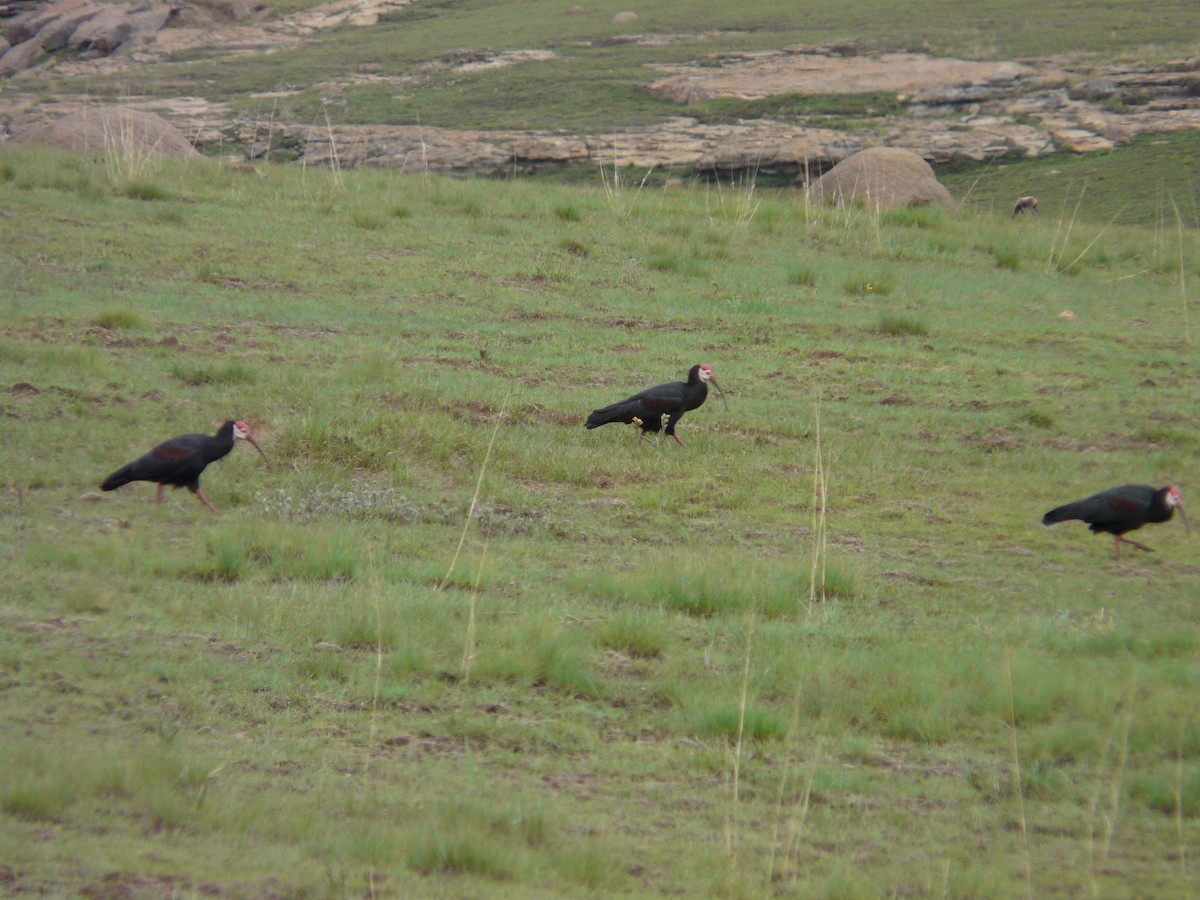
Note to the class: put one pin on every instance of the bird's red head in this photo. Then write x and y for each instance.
(1175, 501)
(705, 373)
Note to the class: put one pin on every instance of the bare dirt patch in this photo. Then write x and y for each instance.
(758, 75)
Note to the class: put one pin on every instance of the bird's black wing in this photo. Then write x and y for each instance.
(650, 404)
(1113, 507)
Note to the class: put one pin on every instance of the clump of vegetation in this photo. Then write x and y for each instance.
(899, 325)
(116, 317)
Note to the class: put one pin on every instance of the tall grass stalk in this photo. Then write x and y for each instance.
(740, 210)
(614, 193)
(784, 780)
(473, 603)
(1187, 328)
(731, 813)
(1183, 868)
(1092, 243)
(797, 820)
(125, 157)
(373, 590)
(1066, 239)
(820, 498)
(335, 165)
(1016, 757)
(475, 497)
(1114, 791)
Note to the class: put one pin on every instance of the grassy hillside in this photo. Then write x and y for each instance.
(395, 72)
(448, 641)
(1155, 181)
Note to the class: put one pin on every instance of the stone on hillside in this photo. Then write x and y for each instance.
(30, 25)
(119, 24)
(881, 177)
(56, 34)
(109, 129)
(576, 11)
(20, 56)
(623, 18)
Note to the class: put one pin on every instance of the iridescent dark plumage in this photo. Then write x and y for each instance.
(647, 408)
(1123, 509)
(180, 461)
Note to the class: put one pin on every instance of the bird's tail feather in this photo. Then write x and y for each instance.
(122, 476)
(1061, 514)
(618, 412)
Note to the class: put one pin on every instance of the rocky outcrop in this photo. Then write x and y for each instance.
(948, 108)
(881, 177)
(101, 28)
(111, 129)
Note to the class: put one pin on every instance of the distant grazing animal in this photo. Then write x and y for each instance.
(1123, 509)
(1025, 204)
(180, 460)
(672, 400)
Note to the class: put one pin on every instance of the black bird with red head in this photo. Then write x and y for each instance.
(179, 461)
(1122, 509)
(672, 400)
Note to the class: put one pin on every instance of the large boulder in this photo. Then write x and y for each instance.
(881, 177)
(20, 56)
(119, 24)
(112, 129)
(56, 33)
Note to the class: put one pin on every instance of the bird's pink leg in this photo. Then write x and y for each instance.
(1125, 540)
(200, 496)
(1117, 546)
(677, 440)
(160, 493)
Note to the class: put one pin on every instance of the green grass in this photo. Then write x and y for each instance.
(1143, 183)
(283, 699)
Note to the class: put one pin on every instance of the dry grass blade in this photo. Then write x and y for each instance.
(1183, 302)
(1016, 758)
(469, 642)
(475, 497)
(820, 499)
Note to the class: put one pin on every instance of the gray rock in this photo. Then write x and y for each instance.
(57, 34)
(20, 56)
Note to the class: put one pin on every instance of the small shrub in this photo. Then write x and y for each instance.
(1166, 794)
(117, 317)
(1007, 258)
(1037, 419)
(568, 212)
(367, 221)
(36, 800)
(896, 325)
(201, 376)
(634, 634)
(574, 248)
(664, 262)
(144, 190)
(918, 726)
(722, 718)
(802, 276)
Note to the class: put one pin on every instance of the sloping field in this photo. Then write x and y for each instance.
(447, 642)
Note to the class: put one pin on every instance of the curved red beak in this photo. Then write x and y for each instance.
(249, 437)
